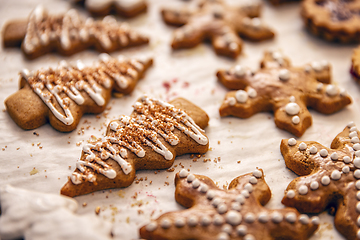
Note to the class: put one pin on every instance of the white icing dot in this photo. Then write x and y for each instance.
(190, 177)
(315, 220)
(248, 187)
(249, 218)
(357, 162)
(358, 221)
(355, 140)
(183, 173)
(223, 236)
(196, 183)
(292, 141)
(358, 195)
(323, 153)
(353, 134)
(314, 185)
(325, 180)
(331, 90)
(292, 99)
(240, 199)
(295, 120)
(335, 175)
(256, 22)
(317, 66)
(303, 189)
(210, 194)
(236, 206)
(204, 188)
(284, 75)
(231, 101)
(165, 223)
(290, 194)
(353, 129)
(346, 169)
(245, 193)
(257, 173)
(253, 180)
(357, 153)
(290, 217)
(319, 87)
(358, 207)
(222, 208)
(239, 71)
(241, 96)
(151, 227)
(357, 174)
(216, 202)
(251, 92)
(277, 217)
(205, 221)
(358, 234)
(350, 124)
(357, 184)
(347, 159)
(334, 156)
(292, 108)
(233, 217)
(218, 220)
(226, 228)
(241, 230)
(263, 217)
(356, 146)
(179, 222)
(192, 221)
(313, 150)
(304, 219)
(302, 146)
(249, 237)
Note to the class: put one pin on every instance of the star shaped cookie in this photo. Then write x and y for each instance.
(282, 89)
(329, 177)
(236, 213)
(217, 22)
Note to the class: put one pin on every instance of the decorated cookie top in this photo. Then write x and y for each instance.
(126, 8)
(285, 90)
(329, 177)
(218, 22)
(35, 215)
(237, 213)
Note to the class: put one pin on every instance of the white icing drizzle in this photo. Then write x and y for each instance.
(155, 118)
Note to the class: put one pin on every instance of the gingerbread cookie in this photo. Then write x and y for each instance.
(278, 2)
(355, 67)
(150, 138)
(62, 95)
(68, 34)
(35, 216)
(125, 8)
(333, 20)
(236, 213)
(329, 178)
(218, 22)
(285, 90)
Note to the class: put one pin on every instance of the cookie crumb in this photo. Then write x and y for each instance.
(34, 171)
(84, 204)
(97, 210)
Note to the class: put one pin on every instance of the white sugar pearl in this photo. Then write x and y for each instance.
(356, 146)
(335, 175)
(210, 194)
(357, 174)
(295, 120)
(307, 68)
(357, 153)
(277, 217)
(263, 217)
(249, 237)
(245, 193)
(315, 220)
(239, 71)
(216, 201)
(358, 221)
(291, 141)
(292, 108)
(357, 184)
(251, 92)
(346, 169)
(350, 124)
(192, 221)
(240, 199)
(257, 173)
(248, 187)
(241, 96)
(303, 189)
(325, 180)
(302, 146)
(353, 134)
(218, 220)
(331, 90)
(313, 150)
(358, 195)
(165, 223)
(355, 140)
(343, 92)
(347, 159)
(357, 162)
(179, 222)
(241, 230)
(323, 152)
(290, 194)
(314, 185)
(223, 236)
(304, 219)
(205, 221)
(249, 218)
(284, 75)
(317, 66)
(276, 55)
(204, 188)
(290, 217)
(334, 156)
(236, 206)
(353, 129)
(319, 87)
(190, 177)
(151, 227)
(233, 217)
(358, 207)
(195, 183)
(222, 208)
(292, 99)
(231, 101)
(226, 228)
(256, 22)
(253, 180)
(324, 63)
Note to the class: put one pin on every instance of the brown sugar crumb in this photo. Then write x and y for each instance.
(198, 156)
(34, 171)
(36, 134)
(32, 144)
(84, 204)
(68, 142)
(38, 144)
(150, 182)
(140, 212)
(40, 147)
(121, 193)
(78, 144)
(128, 220)
(3, 149)
(69, 167)
(135, 195)
(170, 170)
(238, 161)
(167, 184)
(145, 178)
(219, 142)
(192, 156)
(195, 160)
(18, 148)
(97, 210)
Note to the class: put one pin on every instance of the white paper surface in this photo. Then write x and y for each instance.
(191, 74)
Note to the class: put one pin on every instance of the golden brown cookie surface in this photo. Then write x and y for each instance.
(218, 22)
(355, 67)
(236, 213)
(329, 178)
(285, 90)
(333, 20)
(151, 138)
